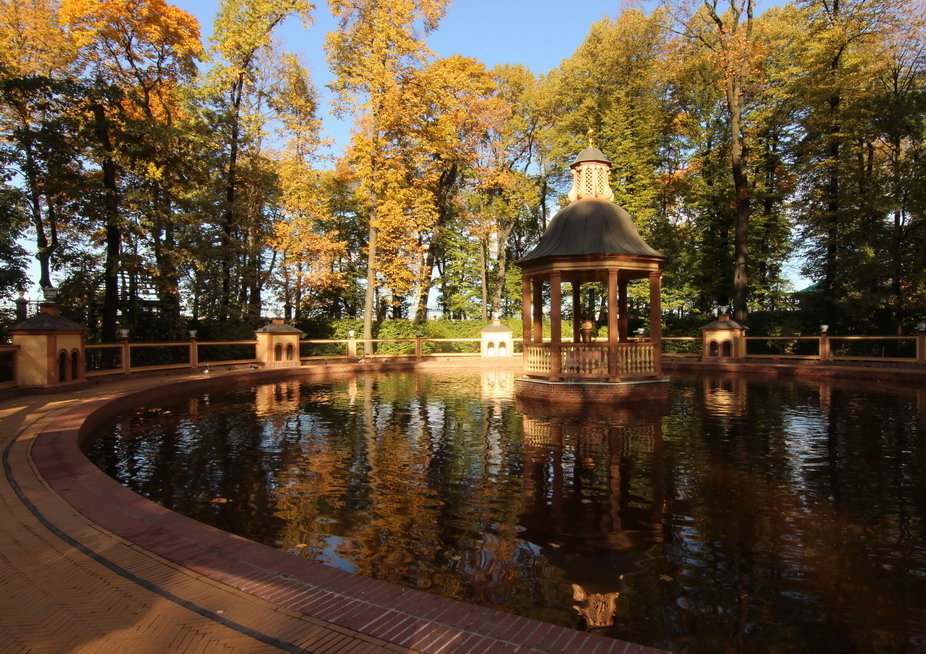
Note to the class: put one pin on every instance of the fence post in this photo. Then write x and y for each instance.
(824, 343)
(351, 344)
(921, 343)
(194, 349)
(418, 349)
(126, 352)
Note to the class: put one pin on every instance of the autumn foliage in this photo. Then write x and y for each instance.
(164, 182)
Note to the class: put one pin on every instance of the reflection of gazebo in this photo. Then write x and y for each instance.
(590, 240)
(594, 495)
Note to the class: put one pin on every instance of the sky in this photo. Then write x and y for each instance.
(537, 33)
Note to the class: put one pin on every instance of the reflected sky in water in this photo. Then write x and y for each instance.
(740, 515)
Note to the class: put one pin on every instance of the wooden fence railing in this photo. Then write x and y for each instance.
(128, 357)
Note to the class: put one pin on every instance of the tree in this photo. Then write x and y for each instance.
(455, 109)
(13, 221)
(306, 234)
(726, 39)
(133, 55)
(373, 55)
(243, 31)
(901, 92)
(505, 192)
(853, 117)
(37, 56)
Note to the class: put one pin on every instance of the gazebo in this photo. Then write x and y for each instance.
(592, 239)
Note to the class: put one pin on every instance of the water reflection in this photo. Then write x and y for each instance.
(740, 515)
(578, 496)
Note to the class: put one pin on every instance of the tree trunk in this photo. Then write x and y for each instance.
(111, 221)
(445, 188)
(167, 277)
(741, 188)
(484, 278)
(228, 215)
(831, 289)
(421, 312)
(732, 37)
(500, 272)
(43, 248)
(370, 296)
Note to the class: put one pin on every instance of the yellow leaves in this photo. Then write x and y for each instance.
(133, 23)
(375, 45)
(245, 26)
(310, 250)
(33, 41)
(415, 122)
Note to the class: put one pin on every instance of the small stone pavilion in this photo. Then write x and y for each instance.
(51, 348)
(278, 344)
(592, 239)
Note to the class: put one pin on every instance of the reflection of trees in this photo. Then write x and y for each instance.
(724, 518)
(782, 507)
(201, 463)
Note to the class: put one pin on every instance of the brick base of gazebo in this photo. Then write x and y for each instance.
(591, 391)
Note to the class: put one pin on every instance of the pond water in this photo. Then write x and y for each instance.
(740, 515)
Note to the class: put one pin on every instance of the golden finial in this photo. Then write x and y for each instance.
(591, 134)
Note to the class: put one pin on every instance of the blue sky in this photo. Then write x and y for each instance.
(537, 33)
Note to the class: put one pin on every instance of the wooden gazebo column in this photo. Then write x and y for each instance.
(537, 329)
(556, 331)
(613, 361)
(655, 319)
(576, 311)
(622, 311)
(526, 313)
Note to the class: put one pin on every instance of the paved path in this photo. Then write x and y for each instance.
(88, 566)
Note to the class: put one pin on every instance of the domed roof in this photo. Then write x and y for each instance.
(590, 227)
(590, 153)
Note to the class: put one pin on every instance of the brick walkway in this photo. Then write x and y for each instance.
(88, 566)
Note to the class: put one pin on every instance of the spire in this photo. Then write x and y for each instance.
(591, 173)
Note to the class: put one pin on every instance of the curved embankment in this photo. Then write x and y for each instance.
(89, 565)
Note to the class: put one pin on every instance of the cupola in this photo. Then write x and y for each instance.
(591, 175)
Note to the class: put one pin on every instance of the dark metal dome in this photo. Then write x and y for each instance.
(590, 153)
(591, 227)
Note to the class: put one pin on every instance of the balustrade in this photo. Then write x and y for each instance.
(590, 360)
(538, 360)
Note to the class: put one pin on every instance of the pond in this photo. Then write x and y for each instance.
(739, 515)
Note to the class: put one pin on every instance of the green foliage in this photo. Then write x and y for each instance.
(12, 255)
(227, 330)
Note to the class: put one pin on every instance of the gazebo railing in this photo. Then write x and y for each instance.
(585, 360)
(590, 360)
(636, 359)
(537, 359)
